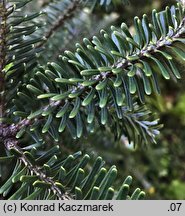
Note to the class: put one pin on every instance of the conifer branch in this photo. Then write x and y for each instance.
(8, 136)
(143, 53)
(67, 14)
(93, 88)
(44, 174)
(122, 63)
(12, 144)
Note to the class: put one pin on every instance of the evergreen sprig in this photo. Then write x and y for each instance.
(103, 83)
(96, 84)
(38, 172)
(49, 176)
(18, 53)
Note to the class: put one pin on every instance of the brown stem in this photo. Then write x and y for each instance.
(2, 54)
(8, 136)
(12, 143)
(68, 13)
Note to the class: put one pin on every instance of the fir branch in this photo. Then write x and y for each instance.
(125, 63)
(142, 54)
(67, 14)
(90, 88)
(150, 49)
(8, 136)
(12, 144)
(17, 47)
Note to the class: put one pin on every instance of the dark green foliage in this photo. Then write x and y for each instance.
(19, 53)
(96, 83)
(69, 177)
(103, 85)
